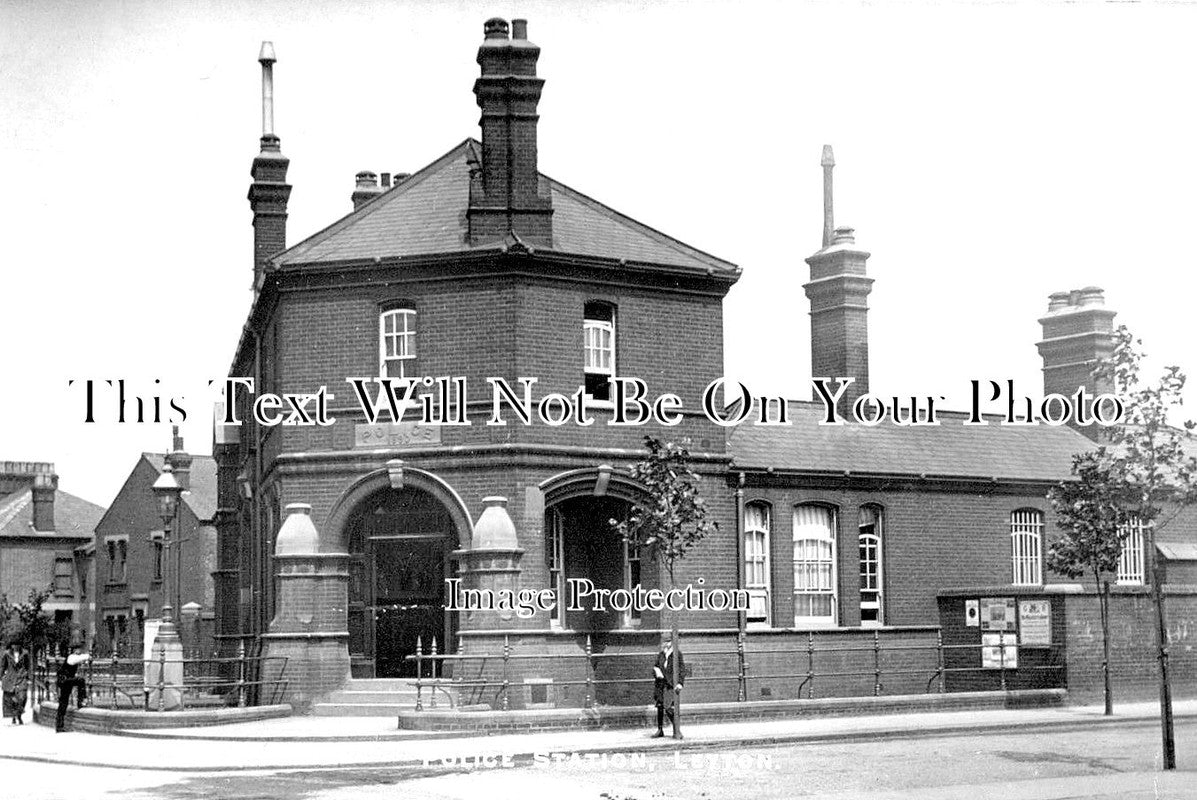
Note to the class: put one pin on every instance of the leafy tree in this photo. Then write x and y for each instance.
(28, 622)
(672, 522)
(1091, 514)
(1156, 474)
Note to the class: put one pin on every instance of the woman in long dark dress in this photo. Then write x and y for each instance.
(14, 680)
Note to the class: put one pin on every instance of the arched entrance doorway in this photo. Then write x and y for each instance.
(581, 543)
(399, 543)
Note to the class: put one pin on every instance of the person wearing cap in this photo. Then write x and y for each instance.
(68, 679)
(664, 691)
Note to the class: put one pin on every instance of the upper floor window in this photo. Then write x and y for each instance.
(1130, 563)
(397, 342)
(1026, 546)
(64, 573)
(869, 541)
(598, 328)
(118, 554)
(814, 566)
(756, 562)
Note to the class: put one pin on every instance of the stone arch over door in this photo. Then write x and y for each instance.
(396, 475)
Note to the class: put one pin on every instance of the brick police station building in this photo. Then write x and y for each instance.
(479, 266)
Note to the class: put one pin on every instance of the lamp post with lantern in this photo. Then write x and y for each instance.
(164, 673)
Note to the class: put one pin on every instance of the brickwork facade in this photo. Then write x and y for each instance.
(516, 292)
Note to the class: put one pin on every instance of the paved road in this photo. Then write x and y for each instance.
(1107, 762)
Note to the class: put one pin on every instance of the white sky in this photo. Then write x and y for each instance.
(987, 155)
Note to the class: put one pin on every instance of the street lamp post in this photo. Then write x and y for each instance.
(164, 674)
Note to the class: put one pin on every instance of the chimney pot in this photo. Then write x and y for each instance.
(266, 54)
(519, 29)
(1092, 296)
(1056, 301)
(495, 28)
(844, 236)
(400, 177)
(365, 189)
(386, 180)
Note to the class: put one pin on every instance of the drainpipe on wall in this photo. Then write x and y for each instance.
(741, 616)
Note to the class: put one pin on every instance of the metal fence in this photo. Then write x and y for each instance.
(139, 684)
(446, 674)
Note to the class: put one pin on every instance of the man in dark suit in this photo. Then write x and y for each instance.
(665, 692)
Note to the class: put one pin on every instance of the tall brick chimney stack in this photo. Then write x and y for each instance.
(179, 460)
(44, 486)
(1078, 332)
(838, 292)
(269, 192)
(508, 198)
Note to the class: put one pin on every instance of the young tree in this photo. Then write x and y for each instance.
(1153, 463)
(669, 525)
(1091, 514)
(28, 622)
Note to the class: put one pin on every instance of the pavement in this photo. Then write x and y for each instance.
(314, 743)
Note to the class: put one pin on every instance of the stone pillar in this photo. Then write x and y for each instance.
(491, 565)
(310, 627)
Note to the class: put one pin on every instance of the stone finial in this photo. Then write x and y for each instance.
(298, 536)
(494, 529)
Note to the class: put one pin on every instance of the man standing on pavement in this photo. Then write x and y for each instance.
(665, 692)
(68, 679)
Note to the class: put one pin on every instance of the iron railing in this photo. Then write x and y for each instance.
(441, 673)
(139, 684)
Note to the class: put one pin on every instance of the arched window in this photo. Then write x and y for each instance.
(397, 341)
(757, 522)
(1026, 546)
(814, 566)
(872, 520)
(598, 366)
(1130, 563)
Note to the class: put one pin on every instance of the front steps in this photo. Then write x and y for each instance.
(381, 697)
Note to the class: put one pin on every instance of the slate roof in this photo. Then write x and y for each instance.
(1177, 551)
(951, 449)
(426, 215)
(201, 498)
(74, 517)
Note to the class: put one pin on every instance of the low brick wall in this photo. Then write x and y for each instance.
(1074, 662)
(104, 720)
(487, 722)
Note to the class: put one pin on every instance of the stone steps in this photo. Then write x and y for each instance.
(379, 697)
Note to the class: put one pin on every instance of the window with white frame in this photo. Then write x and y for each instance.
(598, 329)
(869, 541)
(397, 342)
(1130, 564)
(555, 558)
(756, 563)
(814, 566)
(1026, 547)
